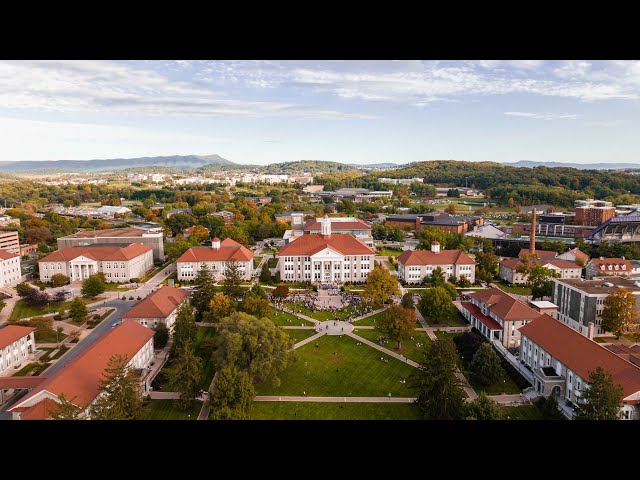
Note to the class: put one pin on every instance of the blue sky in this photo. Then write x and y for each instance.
(348, 111)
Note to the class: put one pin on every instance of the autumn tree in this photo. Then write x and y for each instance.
(220, 306)
(601, 399)
(281, 291)
(77, 309)
(380, 286)
(451, 209)
(232, 395)
(198, 235)
(397, 323)
(619, 314)
(255, 305)
(233, 279)
(122, 395)
(59, 280)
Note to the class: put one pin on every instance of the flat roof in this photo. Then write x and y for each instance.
(544, 304)
(109, 232)
(597, 286)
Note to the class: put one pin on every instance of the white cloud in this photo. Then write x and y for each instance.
(544, 116)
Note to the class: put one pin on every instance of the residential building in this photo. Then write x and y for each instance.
(80, 378)
(216, 259)
(225, 215)
(6, 220)
(498, 316)
(561, 360)
(9, 241)
(602, 267)
(259, 201)
(119, 263)
(159, 307)
(593, 212)
(28, 249)
(17, 345)
(401, 181)
(10, 272)
(415, 265)
(325, 258)
(580, 302)
(347, 225)
(151, 236)
(442, 221)
(575, 255)
(509, 266)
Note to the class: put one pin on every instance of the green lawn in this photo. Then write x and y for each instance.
(168, 410)
(389, 266)
(409, 348)
(520, 290)
(339, 367)
(23, 310)
(77, 323)
(522, 412)
(333, 411)
(50, 337)
(282, 318)
(47, 351)
(370, 320)
(256, 261)
(173, 276)
(386, 252)
(60, 353)
(601, 340)
(456, 321)
(341, 314)
(204, 350)
(299, 335)
(35, 368)
(446, 334)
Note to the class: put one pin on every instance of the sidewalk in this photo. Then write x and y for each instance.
(261, 398)
(402, 358)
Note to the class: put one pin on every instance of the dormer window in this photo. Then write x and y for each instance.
(624, 267)
(610, 267)
(602, 267)
(615, 267)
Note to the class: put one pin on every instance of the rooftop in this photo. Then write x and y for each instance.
(338, 223)
(160, 304)
(427, 257)
(229, 250)
(310, 244)
(110, 233)
(543, 304)
(11, 333)
(597, 286)
(98, 252)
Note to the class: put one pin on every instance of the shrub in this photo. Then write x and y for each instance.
(139, 297)
(134, 280)
(131, 297)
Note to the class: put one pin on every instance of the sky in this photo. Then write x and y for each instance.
(262, 112)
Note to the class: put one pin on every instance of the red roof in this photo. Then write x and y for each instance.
(540, 253)
(512, 263)
(580, 354)
(101, 253)
(21, 382)
(10, 334)
(505, 306)
(40, 411)
(579, 254)
(312, 243)
(229, 250)
(427, 257)
(79, 378)
(160, 304)
(4, 255)
(490, 323)
(314, 224)
(616, 265)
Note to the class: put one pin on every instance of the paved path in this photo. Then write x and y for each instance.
(154, 281)
(262, 398)
(516, 399)
(204, 411)
(424, 324)
(402, 358)
(299, 327)
(364, 327)
(164, 395)
(307, 340)
(367, 315)
(8, 309)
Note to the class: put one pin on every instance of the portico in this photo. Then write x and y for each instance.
(82, 268)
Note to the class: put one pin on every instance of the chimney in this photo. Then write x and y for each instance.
(435, 247)
(325, 226)
(475, 228)
(215, 243)
(590, 329)
(532, 239)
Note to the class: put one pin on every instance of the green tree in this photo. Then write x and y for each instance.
(161, 335)
(468, 344)
(483, 408)
(259, 292)
(66, 409)
(233, 279)
(122, 399)
(185, 329)
(397, 323)
(407, 300)
(436, 305)
(540, 280)
(439, 396)
(437, 278)
(93, 286)
(185, 375)
(203, 291)
(601, 398)
(59, 280)
(255, 344)
(77, 309)
(619, 313)
(487, 265)
(265, 274)
(380, 286)
(485, 367)
(550, 409)
(232, 395)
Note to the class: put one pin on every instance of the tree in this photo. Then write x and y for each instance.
(397, 323)
(198, 235)
(439, 396)
(23, 289)
(485, 367)
(259, 292)
(601, 398)
(233, 279)
(66, 409)
(468, 344)
(185, 328)
(435, 305)
(77, 309)
(437, 278)
(380, 286)
(203, 291)
(185, 374)
(487, 265)
(540, 281)
(93, 286)
(255, 344)
(281, 291)
(254, 305)
(407, 300)
(619, 313)
(43, 326)
(59, 280)
(451, 209)
(161, 337)
(220, 306)
(232, 395)
(122, 395)
(550, 409)
(265, 274)
(483, 408)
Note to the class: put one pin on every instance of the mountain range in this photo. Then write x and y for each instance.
(579, 166)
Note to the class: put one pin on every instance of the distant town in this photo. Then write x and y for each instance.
(440, 290)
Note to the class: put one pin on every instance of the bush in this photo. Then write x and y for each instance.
(134, 280)
(139, 297)
(96, 317)
(57, 317)
(131, 297)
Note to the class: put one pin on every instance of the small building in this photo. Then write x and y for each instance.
(216, 259)
(80, 378)
(509, 269)
(602, 267)
(226, 215)
(109, 211)
(159, 307)
(6, 220)
(561, 360)
(259, 201)
(119, 263)
(575, 255)
(172, 212)
(10, 271)
(9, 241)
(544, 307)
(415, 265)
(17, 345)
(313, 188)
(28, 249)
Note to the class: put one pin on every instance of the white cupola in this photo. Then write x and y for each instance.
(325, 225)
(435, 247)
(215, 243)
